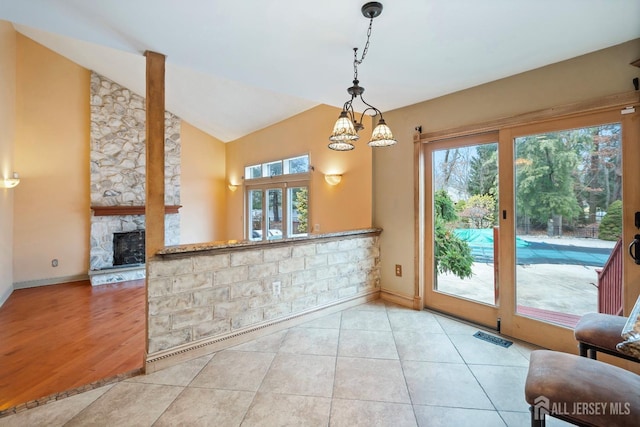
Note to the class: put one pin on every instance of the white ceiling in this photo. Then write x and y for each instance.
(236, 66)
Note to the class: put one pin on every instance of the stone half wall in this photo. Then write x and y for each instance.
(200, 297)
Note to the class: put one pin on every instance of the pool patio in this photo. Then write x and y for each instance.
(557, 288)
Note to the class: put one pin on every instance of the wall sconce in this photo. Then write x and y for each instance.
(232, 187)
(10, 182)
(333, 179)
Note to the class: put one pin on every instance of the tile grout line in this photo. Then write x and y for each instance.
(470, 370)
(69, 393)
(255, 393)
(335, 370)
(184, 388)
(404, 375)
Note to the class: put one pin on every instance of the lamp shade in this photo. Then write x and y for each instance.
(333, 179)
(343, 131)
(341, 146)
(382, 136)
(10, 182)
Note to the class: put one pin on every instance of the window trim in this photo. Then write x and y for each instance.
(278, 179)
(580, 108)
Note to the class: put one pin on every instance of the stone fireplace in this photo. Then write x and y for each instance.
(117, 161)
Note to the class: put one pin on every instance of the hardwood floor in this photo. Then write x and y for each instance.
(60, 337)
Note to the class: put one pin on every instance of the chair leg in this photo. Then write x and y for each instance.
(582, 349)
(536, 421)
(592, 354)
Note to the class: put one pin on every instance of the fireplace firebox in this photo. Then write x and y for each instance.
(128, 248)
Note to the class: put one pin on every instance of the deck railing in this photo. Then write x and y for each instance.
(610, 283)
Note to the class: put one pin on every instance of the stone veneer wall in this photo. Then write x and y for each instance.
(200, 296)
(118, 170)
(103, 227)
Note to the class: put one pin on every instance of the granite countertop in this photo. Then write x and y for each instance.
(241, 244)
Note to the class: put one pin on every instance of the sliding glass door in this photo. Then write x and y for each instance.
(523, 228)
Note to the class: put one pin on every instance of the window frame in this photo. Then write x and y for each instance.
(282, 182)
(284, 168)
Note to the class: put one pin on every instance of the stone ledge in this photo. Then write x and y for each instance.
(234, 245)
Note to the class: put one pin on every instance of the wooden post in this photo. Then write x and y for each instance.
(154, 188)
(154, 212)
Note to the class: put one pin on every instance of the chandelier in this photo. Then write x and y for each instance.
(346, 129)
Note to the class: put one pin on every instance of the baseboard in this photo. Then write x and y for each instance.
(5, 296)
(50, 281)
(397, 298)
(193, 350)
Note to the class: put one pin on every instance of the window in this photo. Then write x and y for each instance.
(291, 166)
(277, 195)
(296, 165)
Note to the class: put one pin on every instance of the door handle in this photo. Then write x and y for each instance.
(633, 249)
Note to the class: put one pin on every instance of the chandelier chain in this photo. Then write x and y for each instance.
(357, 61)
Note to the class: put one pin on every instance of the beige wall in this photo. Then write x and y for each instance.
(343, 207)
(203, 188)
(7, 139)
(601, 73)
(52, 204)
(52, 155)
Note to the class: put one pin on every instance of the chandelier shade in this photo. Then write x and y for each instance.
(344, 129)
(341, 146)
(382, 136)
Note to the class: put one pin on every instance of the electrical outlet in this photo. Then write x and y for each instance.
(276, 288)
(398, 270)
(54, 262)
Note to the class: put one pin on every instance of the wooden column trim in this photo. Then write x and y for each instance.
(418, 285)
(631, 204)
(154, 188)
(155, 153)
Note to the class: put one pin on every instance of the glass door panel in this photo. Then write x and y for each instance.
(274, 213)
(465, 200)
(298, 212)
(256, 223)
(568, 200)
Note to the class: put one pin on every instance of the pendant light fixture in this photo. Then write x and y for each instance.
(346, 129)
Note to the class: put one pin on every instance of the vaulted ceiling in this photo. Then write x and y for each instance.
(234, 67)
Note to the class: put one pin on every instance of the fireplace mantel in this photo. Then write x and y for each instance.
(129, 210)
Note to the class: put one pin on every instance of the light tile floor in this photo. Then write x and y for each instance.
(376, 364)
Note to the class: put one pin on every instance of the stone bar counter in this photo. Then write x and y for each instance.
(208, 296)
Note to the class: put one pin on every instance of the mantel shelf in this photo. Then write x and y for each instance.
(128, 210)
